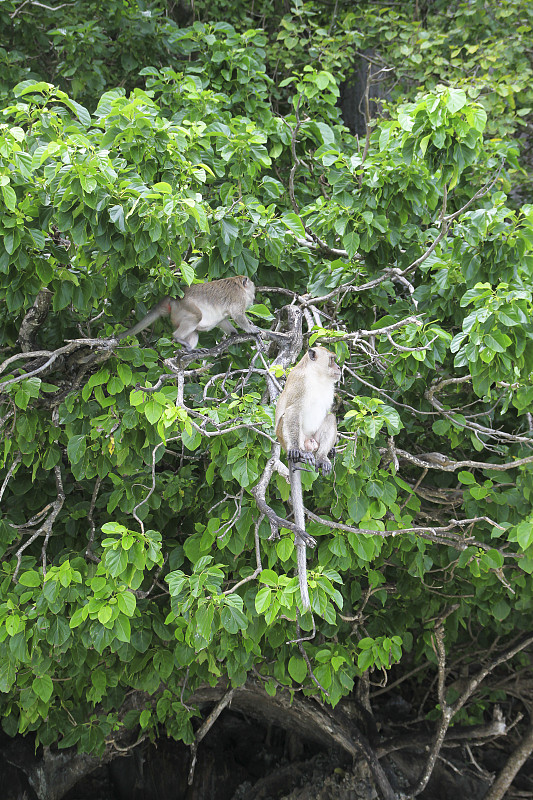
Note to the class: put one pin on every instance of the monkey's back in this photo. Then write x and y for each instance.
(225, 292)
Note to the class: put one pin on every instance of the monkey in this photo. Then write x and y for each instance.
(204, 306)
(305, 426)
(307, 430)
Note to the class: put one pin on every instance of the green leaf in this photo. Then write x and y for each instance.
(30, 578)
(233, 619)
(153, 411)
(204, 620)
(76, 448)
(262, 599)
(79, 616)
(116, 214)
(351, 242)
(285, 548)
(176, 582)
(127, 603)
(365, 660)
(10, 198)
(466, 477)
(294, 224)
(524, 534)
(43, 687)
(145, 718)
(122, 628)
(297, 669)
(104, 614)
(269, 577)
(456, 100)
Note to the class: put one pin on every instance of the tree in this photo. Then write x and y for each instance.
(138, 483)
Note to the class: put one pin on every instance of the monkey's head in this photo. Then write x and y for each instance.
(324, 361)
(248, 288)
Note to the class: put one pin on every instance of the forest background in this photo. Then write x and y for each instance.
(368, 165)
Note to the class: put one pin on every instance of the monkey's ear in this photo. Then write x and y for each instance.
(313, 355)
(245, 282)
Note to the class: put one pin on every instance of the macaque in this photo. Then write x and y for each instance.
(305, 426)
(307, 431)
(204, 306)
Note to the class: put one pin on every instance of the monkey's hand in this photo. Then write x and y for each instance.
(294, 454)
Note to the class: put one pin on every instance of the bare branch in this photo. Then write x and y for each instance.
(448, 712)
(439, 535)
(515, 761)
(446, 464)
(40, 5)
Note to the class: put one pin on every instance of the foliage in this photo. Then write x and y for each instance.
(129, 532)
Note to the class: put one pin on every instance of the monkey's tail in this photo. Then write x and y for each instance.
(160, 310)
(299, 520)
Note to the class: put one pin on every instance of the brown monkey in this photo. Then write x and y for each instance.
(204, 306)
(305, 426)
(307, 431)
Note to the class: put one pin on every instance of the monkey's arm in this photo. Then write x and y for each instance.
(226, 326)
(244, 323)
(326, 436)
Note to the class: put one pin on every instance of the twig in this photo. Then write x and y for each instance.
(57, 506)
(205, 728)
(10, 472)
(151, 490)
(299, 641)
(90, 517)
(46, 527)
(259, 567)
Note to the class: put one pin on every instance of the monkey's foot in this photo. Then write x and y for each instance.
(296, 455)
(323, 465)
(304, 538)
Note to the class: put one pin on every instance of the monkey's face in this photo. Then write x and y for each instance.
(325, 361)
(249, 290)
(334, 369)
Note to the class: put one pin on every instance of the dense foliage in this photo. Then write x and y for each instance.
(129, 528)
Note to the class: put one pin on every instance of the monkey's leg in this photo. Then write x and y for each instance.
(188, 319)
(299, 519)
(326, 436)
(294, 438)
